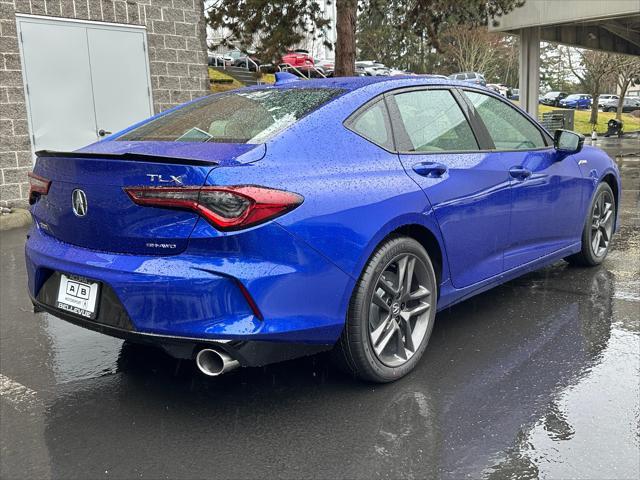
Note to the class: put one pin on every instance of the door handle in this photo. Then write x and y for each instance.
(104, 133)
(430, 169)
(520, 173)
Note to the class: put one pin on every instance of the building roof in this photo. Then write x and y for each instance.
(612, 25)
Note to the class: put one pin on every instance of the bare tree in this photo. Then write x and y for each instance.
(628, 70)
(595, 70)
(475, 49)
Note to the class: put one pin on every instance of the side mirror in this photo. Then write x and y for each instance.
(566, 141)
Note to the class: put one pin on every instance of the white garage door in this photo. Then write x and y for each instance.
(82, 80)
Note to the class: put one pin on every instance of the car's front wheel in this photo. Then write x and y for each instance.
(391, 313)
(598, 228)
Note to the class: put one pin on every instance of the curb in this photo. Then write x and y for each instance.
(16, 219)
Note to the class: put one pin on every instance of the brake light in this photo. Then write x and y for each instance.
(226, 208)
(37, 186)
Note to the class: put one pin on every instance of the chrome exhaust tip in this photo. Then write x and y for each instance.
(213, 362)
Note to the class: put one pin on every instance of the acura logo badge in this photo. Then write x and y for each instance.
(79, 202)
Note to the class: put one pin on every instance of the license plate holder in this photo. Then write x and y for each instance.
(78, 295)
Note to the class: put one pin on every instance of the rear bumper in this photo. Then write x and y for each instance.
(248, 354)
(196, 298)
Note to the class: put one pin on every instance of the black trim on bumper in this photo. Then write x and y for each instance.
(248, 353)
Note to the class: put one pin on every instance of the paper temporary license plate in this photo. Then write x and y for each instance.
(78, 295)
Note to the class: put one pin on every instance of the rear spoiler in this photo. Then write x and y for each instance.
(140, 157)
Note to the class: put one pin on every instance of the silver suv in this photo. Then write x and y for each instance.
(629, 105)
(472, 77)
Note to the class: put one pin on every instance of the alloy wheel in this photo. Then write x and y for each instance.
(602, 217)
(399, 313)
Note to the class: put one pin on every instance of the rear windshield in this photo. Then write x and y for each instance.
(240, 117)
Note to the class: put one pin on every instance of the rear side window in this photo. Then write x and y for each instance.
(434, 122)
(373, 124)
(508, 128)
(240, 117)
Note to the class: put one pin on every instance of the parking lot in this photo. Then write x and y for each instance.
(536, 378)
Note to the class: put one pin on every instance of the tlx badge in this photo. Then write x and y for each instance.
(157, 178)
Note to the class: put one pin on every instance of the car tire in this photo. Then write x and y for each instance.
(594, 251)
(360, 350)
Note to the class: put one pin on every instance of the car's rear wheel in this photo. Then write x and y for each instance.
(391, 313)
(598, 228)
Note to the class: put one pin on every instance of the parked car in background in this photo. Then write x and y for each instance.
(629, 104)
(380, 70)
(552, 98)
(605, 97)
(472, 77)
(231, 56)
(576, 101)
(500, 88)
(235, 58)
(221, 233)
(372, 68)
(365, 65)
(326, 66)
(394, 72)
(298, 58)
(215, 59)
(360, 71)
(494, 87)
(247, 60)
(515, 94)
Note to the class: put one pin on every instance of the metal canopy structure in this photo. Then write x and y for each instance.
(611, 26)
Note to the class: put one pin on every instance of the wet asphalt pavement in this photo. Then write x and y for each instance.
(539, 378)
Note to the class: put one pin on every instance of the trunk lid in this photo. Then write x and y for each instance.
(112, 222)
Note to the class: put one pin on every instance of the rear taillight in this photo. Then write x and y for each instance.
(226, 208)
(37, 186)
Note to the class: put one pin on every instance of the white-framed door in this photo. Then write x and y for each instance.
(81, 79)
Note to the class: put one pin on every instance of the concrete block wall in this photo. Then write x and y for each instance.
(177, 58)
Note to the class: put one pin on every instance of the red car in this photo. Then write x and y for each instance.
(298, 58)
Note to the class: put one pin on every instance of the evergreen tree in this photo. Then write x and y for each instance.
(273, 26)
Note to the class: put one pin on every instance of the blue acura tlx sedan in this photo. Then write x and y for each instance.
(340, 214)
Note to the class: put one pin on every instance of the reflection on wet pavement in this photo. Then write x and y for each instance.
(537, 378)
